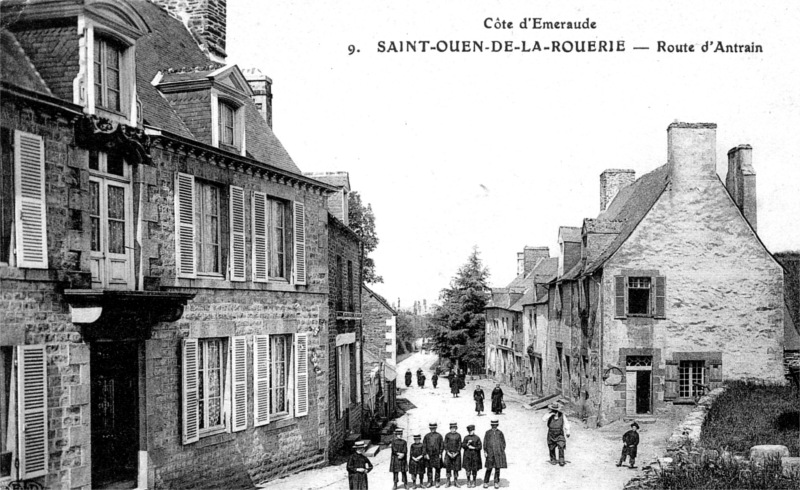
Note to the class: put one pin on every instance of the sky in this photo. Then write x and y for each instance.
(496, 150)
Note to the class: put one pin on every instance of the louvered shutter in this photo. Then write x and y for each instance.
(299, 243)
(619, 297)
(671, 381)
(239, 378)
(184, 226)
(660, 296)
(260, 250)
(30, 210)
(358, 371)
(237, 234)
(261, 380)
(189, 418)
(301, 375)
(32, 400)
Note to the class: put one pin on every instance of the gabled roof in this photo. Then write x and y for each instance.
(15, 66)
(380, 299)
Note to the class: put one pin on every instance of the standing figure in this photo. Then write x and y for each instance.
(630, 445)
(358, 466)
(435, 379)
(398, 463)
(497, 399)
(433, 444)
(416, 461)
(472, 456)
(478, 396)
(494, 448)
(408, 378)
(462, 379)
(452, 454)
(454, 382)
(557, 428)
(421, 380)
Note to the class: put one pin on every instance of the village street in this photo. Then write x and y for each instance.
(590, 454)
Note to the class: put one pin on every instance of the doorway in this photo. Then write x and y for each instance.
(115, 414)
(638, 380)
(643, 391)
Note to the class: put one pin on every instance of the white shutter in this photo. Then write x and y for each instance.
(237, 234)
(191, 423)
(32, 399)
(184, 226)
(301, 375)
(299, 243)
(261, 380)
(358, 371)
(260, 250)
(30, 209)
(239, 382)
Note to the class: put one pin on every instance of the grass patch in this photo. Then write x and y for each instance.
(721, 473)
(752, 413)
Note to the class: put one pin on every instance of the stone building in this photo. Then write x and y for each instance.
(164, 264)
(379, 321)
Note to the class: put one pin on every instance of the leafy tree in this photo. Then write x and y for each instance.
(362, 221)
(460, 323)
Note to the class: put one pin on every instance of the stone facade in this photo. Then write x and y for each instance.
(377, 320)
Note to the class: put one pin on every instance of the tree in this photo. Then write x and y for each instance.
(362, 221)
(460, 324)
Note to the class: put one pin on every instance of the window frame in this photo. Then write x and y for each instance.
(200, 216)
(85, 86)
(7, 195)
(657, 296)
(202, 372)
(102, 45)
(636, 283)
(689, 367)
(289, 378)
(279, 259)
(220, 99)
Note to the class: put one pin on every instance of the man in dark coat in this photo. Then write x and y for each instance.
(421, 380)
(435, 379)
(497, 399)
(416, 461)
(454, 382)
(472, 456)
(398, 464)
(452, 454)
(434, 445)
(408, 378)
(478, 396)
(630, 445)
(557, 428)
(358, 466)
(494, 448)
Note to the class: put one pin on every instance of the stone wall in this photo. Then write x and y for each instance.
(375, 316)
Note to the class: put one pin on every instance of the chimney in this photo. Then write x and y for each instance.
(532, 256)
(741, 182)
(337, 202)
(612, 181)
(262, 92)
(206, 19)
(520, 263)
(692, 152)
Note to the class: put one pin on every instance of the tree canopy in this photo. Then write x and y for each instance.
(362, 221)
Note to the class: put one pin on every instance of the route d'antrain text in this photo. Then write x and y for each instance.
(500, 46)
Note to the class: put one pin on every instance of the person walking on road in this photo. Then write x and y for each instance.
(452, 454)
(497, 400)
(398, 463)
(472, 456)
(557, 428)
(435, 379)
(421, 380)
(408, 378)
(454, 383)
(357, 467)
(494, 448)
(416, 461)
(434, 445)
(630, 445)
(478, 396)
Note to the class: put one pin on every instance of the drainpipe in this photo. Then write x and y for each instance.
(602, 339)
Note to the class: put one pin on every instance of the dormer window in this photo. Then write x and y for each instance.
(226, 124)
(227, 119)
(107, 86)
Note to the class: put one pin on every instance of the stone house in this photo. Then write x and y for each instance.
(379, 320)
(164, 264)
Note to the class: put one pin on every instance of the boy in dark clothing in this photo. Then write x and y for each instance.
(357, 467)
(416, 462)
(630, 444)
(399, 462)
(435, 379)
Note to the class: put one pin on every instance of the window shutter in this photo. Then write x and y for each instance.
(30, 210)
(260, 250)
(671, 381)
(32, 399)
(299, 243)
(239, 377)
(191, 423)
(261, 380)
(184, 226)
(661, 296)
(358, 371)
(715, 376)
(301, 375)
(619, 296)
(237, 234)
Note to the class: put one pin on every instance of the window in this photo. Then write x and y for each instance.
(226, 124)
(207, 232)
(343, 376)
(690, 375)
(350, 303)
(107, 87)
(639, 296)
(210, 384)
(6, 194)
(277, 239)
(338, 284)
(280, 369)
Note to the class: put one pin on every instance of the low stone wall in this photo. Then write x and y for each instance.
(687, 433)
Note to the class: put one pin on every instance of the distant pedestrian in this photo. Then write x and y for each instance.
(630, 445)
(358, 466)
(435, 379)
(434, 445)
(408, 378)
(421, 380)
(472, 456)
(462, 380)
(478, 396)
(497, 400)
(452, 454)
(399, 461)
(557, 428)
(494, 448)
(416, 461)
(454, 382)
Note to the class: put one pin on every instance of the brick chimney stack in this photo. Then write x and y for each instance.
(692, 152)
(533, 255)
(206, 19)
(520, 263)
(741, 182)
(612, 181)
(262, 92)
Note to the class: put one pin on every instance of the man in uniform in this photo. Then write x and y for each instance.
(557, 428)
(416, 461)
(399, 457)
(358, 466)
(630, 445)
(434, 445)
(472, 456)
(452, 454)
(494, 448)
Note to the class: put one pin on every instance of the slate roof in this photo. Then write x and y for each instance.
(338, 179)
(15, 66)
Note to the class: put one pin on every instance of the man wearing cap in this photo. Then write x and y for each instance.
(557, 428)
(433, 445)
(630, 445)
(452, 454)
(472, 456)
(494, 448)
(399, 457)
(416, 461)
(358, 466)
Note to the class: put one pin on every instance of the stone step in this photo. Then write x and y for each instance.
(372, 450)
(641, 419)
